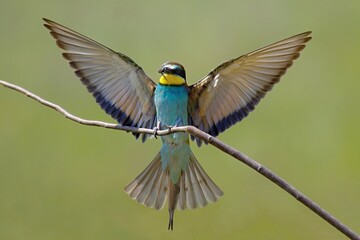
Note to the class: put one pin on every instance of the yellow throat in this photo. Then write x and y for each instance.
(170, 79)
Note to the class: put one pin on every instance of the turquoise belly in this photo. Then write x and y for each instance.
(171, 108)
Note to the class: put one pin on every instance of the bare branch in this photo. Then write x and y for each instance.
(213, 141)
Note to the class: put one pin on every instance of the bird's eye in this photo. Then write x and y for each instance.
(168, 69)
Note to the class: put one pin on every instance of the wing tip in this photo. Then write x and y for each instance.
(50, 24)
(46, 20)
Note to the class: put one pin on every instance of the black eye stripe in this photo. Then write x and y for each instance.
(179, 72)
(175, 70)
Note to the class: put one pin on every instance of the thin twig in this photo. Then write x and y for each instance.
(213, 141)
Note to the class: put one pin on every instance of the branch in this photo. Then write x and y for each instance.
(213, 141)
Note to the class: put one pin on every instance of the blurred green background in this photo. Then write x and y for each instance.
(62, 180)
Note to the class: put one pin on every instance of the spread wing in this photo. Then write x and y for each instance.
(228, 93)
(119, 85)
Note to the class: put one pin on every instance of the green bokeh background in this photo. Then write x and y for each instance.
(62, 180)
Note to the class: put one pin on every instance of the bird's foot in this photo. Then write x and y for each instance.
(156, 129)
(177, 122)
(169, 127)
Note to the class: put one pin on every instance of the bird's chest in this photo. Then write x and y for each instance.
(171, 105)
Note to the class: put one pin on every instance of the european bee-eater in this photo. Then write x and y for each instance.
(219, 100)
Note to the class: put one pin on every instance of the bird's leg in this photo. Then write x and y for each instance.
(157, 128)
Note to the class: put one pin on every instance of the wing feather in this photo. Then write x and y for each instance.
(119, 85)
(229, 92)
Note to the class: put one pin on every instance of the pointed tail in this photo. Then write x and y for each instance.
(153, 186)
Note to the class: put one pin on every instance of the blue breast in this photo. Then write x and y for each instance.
(171, 105)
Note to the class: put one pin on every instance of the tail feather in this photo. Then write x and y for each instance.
(153, 186)
(199, 198)
(182, 196)
(148, 188)
(162, 190)
(211, 191)
(139, 181)
(153, 193)
(189, 191)
(198, 188)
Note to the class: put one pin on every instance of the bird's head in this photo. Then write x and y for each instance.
(172, 74)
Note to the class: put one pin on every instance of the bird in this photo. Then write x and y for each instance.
(213, 104)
